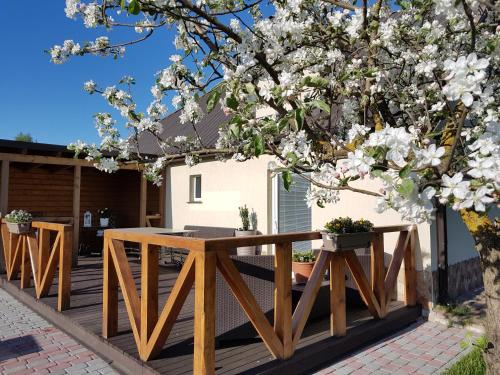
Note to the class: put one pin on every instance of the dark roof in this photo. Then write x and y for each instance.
(33, 148)
(207, 128)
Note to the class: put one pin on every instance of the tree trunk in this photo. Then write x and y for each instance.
(486, 235)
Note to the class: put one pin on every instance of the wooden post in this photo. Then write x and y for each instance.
(161, 200)
(410, 271)
(77, 180)
(338, 322)
(204, 314)
(25, 264)
(4, 188)
(149, 292)
(110, 294)
(143, 201)
(377, 270)
(64, 283)
(43, 251)
(283, 296)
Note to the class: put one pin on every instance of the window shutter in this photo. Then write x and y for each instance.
(293, 213)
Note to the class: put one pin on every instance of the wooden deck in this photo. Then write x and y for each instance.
(84, 319)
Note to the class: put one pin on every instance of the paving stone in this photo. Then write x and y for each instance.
(423, 348)
(49, 350)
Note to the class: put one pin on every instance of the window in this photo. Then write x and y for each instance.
(195, 188)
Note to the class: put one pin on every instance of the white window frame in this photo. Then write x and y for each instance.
(192, 188)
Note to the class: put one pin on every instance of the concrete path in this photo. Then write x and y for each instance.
(422, 348)
(31, 345)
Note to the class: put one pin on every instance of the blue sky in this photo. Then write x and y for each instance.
(47, 100)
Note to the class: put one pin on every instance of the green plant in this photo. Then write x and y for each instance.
(245, 218)
(24, 137)
(19, 216)
(103, 213)
(304, 256)
(470, 364)
(342, 225)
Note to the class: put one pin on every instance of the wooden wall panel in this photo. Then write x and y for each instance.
(41, 190)
(119, 192)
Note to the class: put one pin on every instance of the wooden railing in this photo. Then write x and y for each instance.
(151, 328)
(34, 254)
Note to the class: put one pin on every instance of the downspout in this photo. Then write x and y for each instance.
(442, 254)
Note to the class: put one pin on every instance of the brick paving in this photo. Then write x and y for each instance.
(423, 348)
(31, 345)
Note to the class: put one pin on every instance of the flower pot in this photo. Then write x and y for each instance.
(19, 228)
(245, 250)
(104, 221)
(302, 271)
(346, 241)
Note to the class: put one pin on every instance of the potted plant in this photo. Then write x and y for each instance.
(302, 265)
(343, 233)
(19, 221)
(104, 217)
(245, 231)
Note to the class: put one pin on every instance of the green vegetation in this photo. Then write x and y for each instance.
(304, 256)
(470, 364)
(347, 225)
(24, 137)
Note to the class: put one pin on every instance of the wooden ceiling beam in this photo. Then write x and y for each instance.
(54, 160)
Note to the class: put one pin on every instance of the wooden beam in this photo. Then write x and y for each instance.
(248, 303)
(377, 270)
(109, 294)
(161, 200)
(77, 181)
(410, 270)
(362, 282)
(283, 296)
(64, 281)
(204, 314)
(338, 321)
(4, 188)
(149, 292)
(54, 160)
(308, 297)
(143, 201)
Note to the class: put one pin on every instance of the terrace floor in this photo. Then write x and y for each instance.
(83, 322)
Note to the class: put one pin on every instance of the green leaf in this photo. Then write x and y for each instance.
(287, 180)
(406, 187)
(315, 81)
(282, 124)
(232, 103)
(134, 7)
(321, 105)
(258, 143)
(235, 129)
(299, 117)
(376, 172)
(292, 157)
(213, 98)
(123, 4)
(403, 173)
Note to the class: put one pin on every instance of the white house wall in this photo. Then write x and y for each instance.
(225, 187)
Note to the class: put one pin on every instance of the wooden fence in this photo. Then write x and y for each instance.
(36, 257)
(151, 328)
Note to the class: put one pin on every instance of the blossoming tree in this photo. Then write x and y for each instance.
(402, 91)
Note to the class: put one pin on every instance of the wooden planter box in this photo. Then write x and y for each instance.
(346, 241)
(19, 228)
